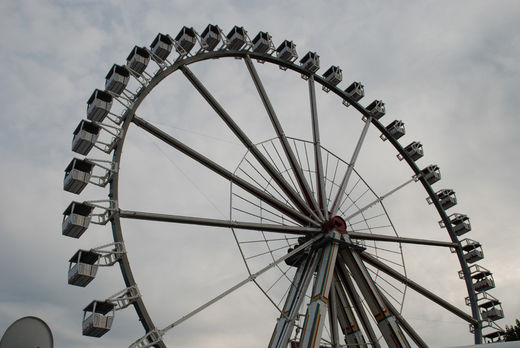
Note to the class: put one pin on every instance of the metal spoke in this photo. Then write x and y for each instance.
(194, 220)
(344, 182)
(380, 199)
(384, 238)
(297, 170)
(413, 285)
(282, 207)
(252, 277)
(320, 178)
(277, 177)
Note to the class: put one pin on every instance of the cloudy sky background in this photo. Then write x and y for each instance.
(449, 70)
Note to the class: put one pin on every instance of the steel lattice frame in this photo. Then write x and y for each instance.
(327, 249)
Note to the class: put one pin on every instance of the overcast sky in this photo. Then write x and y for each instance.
(448, 69)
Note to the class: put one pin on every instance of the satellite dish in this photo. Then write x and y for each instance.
(27, 332)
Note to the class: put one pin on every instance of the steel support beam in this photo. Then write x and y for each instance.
(333, 315)
(297, 170)
(318, 162)
(317, 309)
(357, 304)
(386, 322)
(268, 167)
(285, 323)
(194, 220)
(251, 278)
(349, 326)
(346, 178)
(188, 151)
(413, 285)
(404, 324)
(396, 239)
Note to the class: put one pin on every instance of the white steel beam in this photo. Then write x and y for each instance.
(343, 274)
(318, 163)
(347, 320)
(297, 170)
(285, 323)
(343, 186)
(317, 309)
(386, 322)
(413, 285)
(252, 277)
(268, 166)
(396, 239)
(195, 220)
(188, 151)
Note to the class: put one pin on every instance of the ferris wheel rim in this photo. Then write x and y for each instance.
(204, 56)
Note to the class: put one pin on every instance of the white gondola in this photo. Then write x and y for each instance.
(472, 250)
(83, 266)
(494, 336)
(491, 310)
(85, 137)
(310, 62)
(185, 40)
(210, 37)
(76, 219)
(460, 223)
(99, 105)
(355, 91)
(414, 150)
(446, 198)
(138, 60)
(97, 318)
(287, 51)
(237, 38)
(77, 175)
(482, 278)
(262, 43)
(333, 75)
(161, 47)
(396, 129)
(376, 109)
(117, 79)
(431, 174)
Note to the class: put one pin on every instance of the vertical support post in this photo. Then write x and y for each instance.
(404, 324)
(347, 320)
(317, 309)
(386, 322)
(285, 323)
(333, 315)
(348, 285)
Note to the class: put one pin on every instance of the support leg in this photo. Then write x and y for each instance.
(317, 309)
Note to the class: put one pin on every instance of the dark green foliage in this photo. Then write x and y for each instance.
(513, 332)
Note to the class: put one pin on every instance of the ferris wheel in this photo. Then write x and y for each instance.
(311, 226)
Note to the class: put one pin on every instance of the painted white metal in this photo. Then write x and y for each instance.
(285, 323)
(232, 289)
(386, 322)
(344, 182)
(317, 309)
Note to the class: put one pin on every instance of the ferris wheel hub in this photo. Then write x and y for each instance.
(336, 223)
